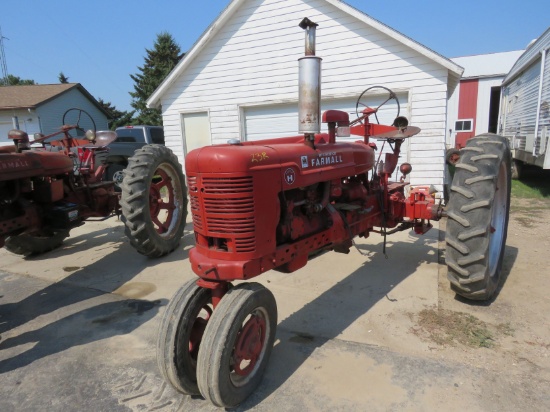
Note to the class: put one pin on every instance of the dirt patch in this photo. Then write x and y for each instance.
(446, 327)
(529, 212)
(513, 328)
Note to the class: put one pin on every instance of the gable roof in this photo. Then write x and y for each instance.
(455, 71)
(531, 54)
(32, 96)
(487, 65)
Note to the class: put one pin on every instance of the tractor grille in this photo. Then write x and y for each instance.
(194, 202)
(227, 208)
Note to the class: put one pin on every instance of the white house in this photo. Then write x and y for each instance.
(474, 105)
(240, 79)
(40, 108)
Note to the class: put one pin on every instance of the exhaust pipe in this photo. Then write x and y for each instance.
(309, 85)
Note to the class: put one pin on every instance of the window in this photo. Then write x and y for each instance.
(125, 139)
(464, 125)
(129, 134)
(157, 135)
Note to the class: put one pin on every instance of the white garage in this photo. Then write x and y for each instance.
(241, 78)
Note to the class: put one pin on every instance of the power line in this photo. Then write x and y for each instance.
(3, 64)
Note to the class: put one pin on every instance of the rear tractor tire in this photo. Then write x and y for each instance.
(154, 201)
(478, 217)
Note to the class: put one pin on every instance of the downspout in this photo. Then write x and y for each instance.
(539, 101)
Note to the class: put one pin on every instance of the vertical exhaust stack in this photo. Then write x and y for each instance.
(309, 85)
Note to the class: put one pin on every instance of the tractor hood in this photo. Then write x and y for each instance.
(297, 164)
(33, 163)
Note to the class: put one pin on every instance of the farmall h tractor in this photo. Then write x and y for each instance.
(54, 183)
(270, 204)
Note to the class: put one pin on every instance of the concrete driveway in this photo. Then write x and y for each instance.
(78, 330)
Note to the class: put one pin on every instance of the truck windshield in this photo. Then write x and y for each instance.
(130, 135)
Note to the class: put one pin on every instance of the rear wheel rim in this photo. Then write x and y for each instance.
(165, 200)
(498, 219)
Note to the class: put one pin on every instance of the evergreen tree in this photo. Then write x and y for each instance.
(117, 118)
(62, 78)
(18, 81)
(158, 63)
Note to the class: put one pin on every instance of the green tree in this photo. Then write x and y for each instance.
(117, 117)
(158, 63)
(62, 78)
(18, 81)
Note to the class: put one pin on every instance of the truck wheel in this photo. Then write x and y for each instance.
(236, 345)
(154, 201)
(180, 335)
(115, 174)
(478, 217)
(27, 244)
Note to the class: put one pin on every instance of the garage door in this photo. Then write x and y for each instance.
(264, 122)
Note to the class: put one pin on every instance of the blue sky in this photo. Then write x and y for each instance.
(100, 43)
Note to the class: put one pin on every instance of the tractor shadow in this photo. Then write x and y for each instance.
(115, 263)
(106, 318)
(332, 312)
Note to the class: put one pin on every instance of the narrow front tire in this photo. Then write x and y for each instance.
(237, 344)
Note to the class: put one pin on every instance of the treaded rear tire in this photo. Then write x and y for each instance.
(139, 200)
(478, 217)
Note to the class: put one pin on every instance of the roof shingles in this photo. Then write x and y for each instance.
(31, 96)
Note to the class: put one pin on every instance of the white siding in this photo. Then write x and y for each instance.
(519, 101)
(452, 117)
(520, 93)
(543, 135)
(253, 60)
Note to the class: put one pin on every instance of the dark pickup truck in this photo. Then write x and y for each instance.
(129, 139)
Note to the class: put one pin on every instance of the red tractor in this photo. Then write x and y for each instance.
(271, 204)
(54, 183)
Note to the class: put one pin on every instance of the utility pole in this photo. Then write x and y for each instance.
(3, 64)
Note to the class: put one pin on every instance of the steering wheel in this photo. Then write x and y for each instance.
(391, 96)
(78, 116)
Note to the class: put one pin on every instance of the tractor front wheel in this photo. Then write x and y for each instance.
(478, 217)
(180, 335)
(236, 345)
(154, 200)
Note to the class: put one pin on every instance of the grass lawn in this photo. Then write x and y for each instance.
(535, 184)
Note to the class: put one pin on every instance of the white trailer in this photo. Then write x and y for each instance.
(525, 106)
